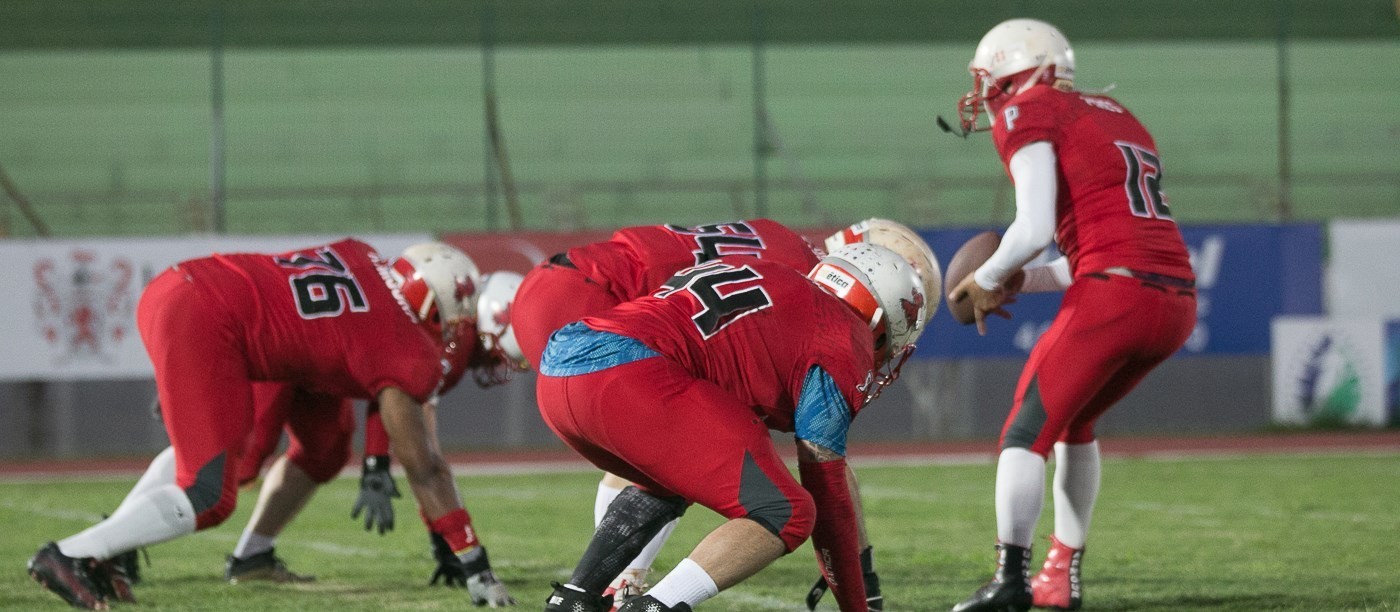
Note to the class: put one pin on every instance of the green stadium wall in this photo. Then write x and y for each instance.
(378, 138)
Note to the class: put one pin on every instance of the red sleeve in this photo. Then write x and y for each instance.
(847, 353)
(387, 349)
(376, 439)
(1031, 117)
(834, 537)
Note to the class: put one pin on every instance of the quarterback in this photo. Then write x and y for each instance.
(1088, 177)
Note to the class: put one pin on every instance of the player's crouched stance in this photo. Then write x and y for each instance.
(676, 392)
(335, 319)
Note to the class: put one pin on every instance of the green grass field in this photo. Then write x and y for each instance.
(1260, 533)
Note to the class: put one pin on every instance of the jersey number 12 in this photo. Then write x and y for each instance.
(1144, 182)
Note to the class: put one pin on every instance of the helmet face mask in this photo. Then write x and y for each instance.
(493, 327)
(439, 284)
(1011, 57)
(984, 94)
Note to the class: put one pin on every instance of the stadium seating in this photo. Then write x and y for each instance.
(393, 139)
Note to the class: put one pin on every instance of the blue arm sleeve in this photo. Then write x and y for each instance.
(823, 417)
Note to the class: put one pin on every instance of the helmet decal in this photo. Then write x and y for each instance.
(912, 305)
(439, 283)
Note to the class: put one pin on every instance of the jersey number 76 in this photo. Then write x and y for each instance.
(327, 286)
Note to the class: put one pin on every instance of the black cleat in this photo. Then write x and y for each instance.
(565, 599)
(130, 562)
(647, 603)
(112, 580)
(262, 566)
(68, 577)
(1009, 590)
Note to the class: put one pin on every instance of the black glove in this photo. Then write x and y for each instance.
(472, 570)
(376, 488)
(873, 599)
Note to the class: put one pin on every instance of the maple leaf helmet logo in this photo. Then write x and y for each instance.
(911, 306)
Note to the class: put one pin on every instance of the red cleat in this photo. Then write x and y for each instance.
(1057, 585)
(624, 592)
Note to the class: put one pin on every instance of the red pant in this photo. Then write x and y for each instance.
(1110, 332)
(550, 297)
(653, 423)
(196, 343)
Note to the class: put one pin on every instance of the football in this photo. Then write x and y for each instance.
(970, 256)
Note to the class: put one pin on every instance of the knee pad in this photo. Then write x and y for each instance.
(800, 514)
(214, 492)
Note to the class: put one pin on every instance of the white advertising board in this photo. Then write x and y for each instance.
(1363, 270)
(1330, 371)
(71, 303)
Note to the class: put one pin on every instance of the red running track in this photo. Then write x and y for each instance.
(1383, 441)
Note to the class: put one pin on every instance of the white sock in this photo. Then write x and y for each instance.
(688, 583)
(1020, 495)
(251, 543)
(161, 471)
(160, 514)
(606, 495)
(1076, 488)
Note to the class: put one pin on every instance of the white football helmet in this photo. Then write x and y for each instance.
(880, 286)
(494, 327)
(1009, 49)
(439, 283)
(899, 238)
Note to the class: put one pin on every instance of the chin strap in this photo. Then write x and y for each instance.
(1035, 77)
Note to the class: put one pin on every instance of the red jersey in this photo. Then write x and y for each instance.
(637, 260)
(1111, 210)
(755, 328)
(324, 319)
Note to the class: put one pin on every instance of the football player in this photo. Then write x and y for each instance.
(319, 428)
(335, 319)
(592, 278)
(1088, 176)
(677, 392)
